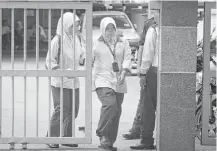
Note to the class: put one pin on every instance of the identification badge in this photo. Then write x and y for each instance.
(115, 66)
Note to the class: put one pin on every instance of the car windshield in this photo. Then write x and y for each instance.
(120, 20)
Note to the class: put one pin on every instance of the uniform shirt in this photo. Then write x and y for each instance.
(103, 75)
(147, 24)
(150, 49)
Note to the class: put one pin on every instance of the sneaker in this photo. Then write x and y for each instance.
(53, 145)
(70, 145)
(130, 136)
(107, 148)
(143, 147)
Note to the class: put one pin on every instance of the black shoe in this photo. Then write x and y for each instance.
(143, 147)
(53, 145)
(70, 145)
(108, 148)
(131, 135)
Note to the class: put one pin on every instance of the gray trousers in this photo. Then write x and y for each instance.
(110, 114)
(149, 104)
(136, 127)
(67, 111)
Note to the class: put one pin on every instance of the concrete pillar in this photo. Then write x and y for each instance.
(177, 76)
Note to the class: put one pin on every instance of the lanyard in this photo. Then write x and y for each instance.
(112, 52)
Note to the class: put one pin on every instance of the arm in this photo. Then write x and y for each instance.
(139, 61)
(93, 52)
(126, 65)
(52, 54)
(148, 50)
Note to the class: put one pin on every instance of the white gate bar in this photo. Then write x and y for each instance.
(61, 67)
(73, 80)
(88, 80)
(206, 140)
(46, 5)
(43, 140)
(42, 73)
(49, 82)
(37, 66)
(0, 76)
(12, 64)
(24, 58)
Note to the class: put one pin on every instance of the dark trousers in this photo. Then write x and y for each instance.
(110, 114)
(136, 127)
(5, 40)
(149, 107)
(67, 111)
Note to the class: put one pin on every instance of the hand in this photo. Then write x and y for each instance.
(143, 82)
(67, 76)
(121, 78)
(138, 71)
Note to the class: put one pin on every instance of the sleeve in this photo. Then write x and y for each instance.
(93, 51)
(143, 34)
(42, 33)
(139, 61)
(126, 65)
(148, 50)
(52, 54)
(82, 50)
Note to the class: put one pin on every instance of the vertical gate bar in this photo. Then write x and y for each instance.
(49, 82)
(73, 80)
(61, 89)
(37, 65)
(0, 76)
(24, 58)
(12, 64)
(88, 83)
(206, 70)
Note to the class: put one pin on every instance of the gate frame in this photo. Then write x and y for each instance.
(207, 74)
(87, 73)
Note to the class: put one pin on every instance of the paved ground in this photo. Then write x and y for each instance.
(129, 109)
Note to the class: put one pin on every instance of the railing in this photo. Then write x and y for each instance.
(13, 72)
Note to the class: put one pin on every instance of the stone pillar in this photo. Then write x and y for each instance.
(177, 76)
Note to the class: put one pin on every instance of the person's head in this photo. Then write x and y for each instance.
(156, 15)
(108, 27)
(19, 24)
(68, 24)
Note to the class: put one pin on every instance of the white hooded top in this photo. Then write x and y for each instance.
(68, 52)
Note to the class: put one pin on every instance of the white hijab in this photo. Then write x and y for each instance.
(103, 24)
(68, 20)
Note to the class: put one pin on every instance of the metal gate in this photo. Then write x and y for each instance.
(25, 73)
(207, 75)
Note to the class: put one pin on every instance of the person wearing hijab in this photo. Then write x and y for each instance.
(68, 83)
(111, 63)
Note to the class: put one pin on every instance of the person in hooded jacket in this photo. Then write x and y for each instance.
(111, 63)
(68, 83)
